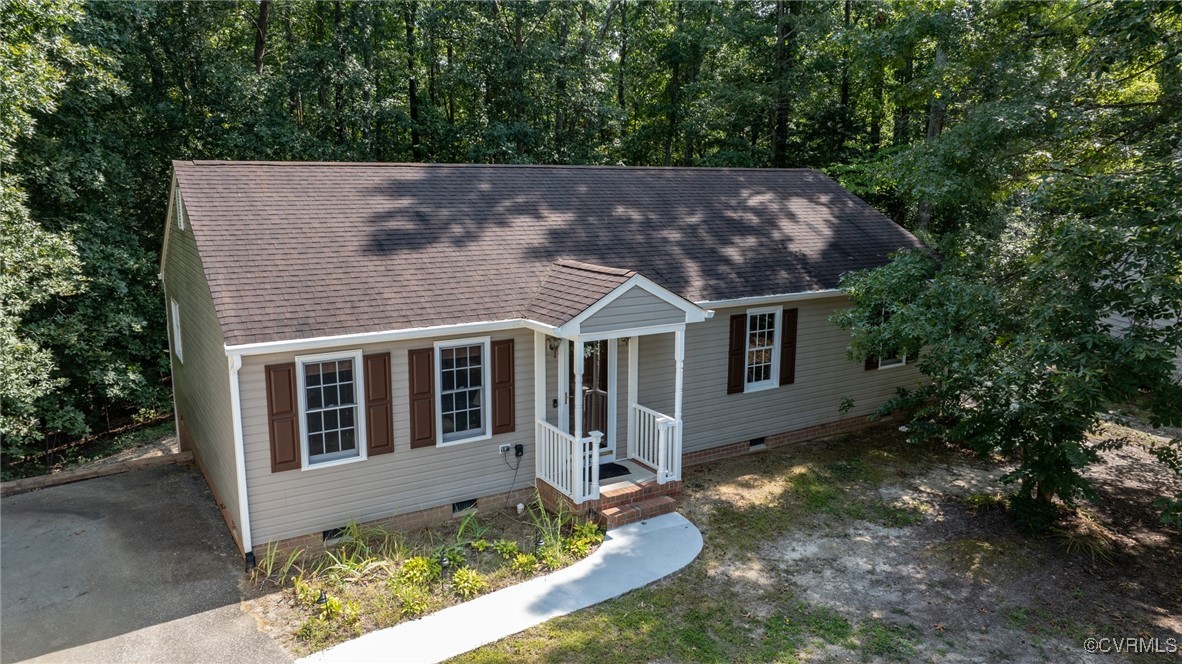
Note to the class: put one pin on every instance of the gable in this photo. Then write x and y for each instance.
(634, 308)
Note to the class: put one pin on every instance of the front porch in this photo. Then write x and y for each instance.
(607, 426)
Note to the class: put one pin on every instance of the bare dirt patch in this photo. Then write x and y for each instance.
(870, 548)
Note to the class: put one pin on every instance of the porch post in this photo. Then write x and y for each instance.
(539, 377)
(679, 357)
(633, 389)
(562, 387)
(675, 452)
(578, 395)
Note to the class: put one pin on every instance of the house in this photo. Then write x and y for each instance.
(397, 342)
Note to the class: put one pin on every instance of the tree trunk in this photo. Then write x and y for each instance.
(900, 134)
(787, 13)
(295, 102)
(260, 35)
(412, 92)
(877, 111)
(845, 66)
(923, 217)
(338, 16)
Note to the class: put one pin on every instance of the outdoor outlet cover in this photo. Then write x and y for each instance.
(504, 449)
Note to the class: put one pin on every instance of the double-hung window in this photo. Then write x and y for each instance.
(763, 349)
(462, 390)
(330, 389)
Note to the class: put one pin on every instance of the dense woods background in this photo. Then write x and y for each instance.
(1029, 136)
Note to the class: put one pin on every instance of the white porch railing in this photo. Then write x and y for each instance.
(657, 442)
(566, 464)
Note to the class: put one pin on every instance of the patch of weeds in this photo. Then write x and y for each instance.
(979, 559)
(524, 563)
(1082, 534)
(468, 583)
(889, 640)
(420, 571)
(480, 545)
(413, 600)
(891, 515)
(986, 502)
(851, 470)
(506, 548)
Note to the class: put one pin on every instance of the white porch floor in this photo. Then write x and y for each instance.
(638, 474)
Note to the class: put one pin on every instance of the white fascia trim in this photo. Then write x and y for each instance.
(172, 189)
(771, 299)
(235, 362)
(315, 343)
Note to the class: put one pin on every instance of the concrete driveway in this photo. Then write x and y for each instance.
(135, 567)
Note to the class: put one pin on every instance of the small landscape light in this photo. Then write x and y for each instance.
(322, 599)
(540, 543)
(444, 562)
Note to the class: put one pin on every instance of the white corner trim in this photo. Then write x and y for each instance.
(172, 189)
(235, 363)
(771, 299)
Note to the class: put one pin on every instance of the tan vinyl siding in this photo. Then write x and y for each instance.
(635, 308)
(824, 375)
(297, 502)
(202, 382)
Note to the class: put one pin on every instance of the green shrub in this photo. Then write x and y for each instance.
(305, 592)
(480, 545)
(414, 600)
(584, 536)
(524, 563)
(507, 548)
(468, 583)
(550, 557)
(314, 630)
(420, 570)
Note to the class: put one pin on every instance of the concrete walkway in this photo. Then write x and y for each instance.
(630, 557)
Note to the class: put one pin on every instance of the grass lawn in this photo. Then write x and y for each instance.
(868, 548)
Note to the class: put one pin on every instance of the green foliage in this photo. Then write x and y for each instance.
(584, 536)
(468, 583)
(480, 545)
(506, 548)
(421, 571)
(524, 564)
(413, 599)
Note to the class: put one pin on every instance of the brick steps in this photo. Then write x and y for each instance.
(613, 517)
(632, 492)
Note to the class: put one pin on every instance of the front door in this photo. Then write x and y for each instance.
(596, 404)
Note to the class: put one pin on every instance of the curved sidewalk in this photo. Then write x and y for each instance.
(630, 557)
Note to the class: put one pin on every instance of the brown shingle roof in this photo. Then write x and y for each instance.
(569, 287)
(295, 250)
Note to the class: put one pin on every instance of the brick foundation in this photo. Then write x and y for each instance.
(785, 438)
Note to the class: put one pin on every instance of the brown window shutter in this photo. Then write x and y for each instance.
(788, 347)
(283, 415)
(504, 407)
(736, 365)
(422, 397)
(379, 407)
(871, 363)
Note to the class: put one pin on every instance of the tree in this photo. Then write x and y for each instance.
(1063, 299)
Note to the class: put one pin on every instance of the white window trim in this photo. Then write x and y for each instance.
(177, 346)
(485, 393)
(774, 380)
(358, 396)
(180, 210)
(901, 361)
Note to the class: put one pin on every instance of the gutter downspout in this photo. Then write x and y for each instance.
(235, 363)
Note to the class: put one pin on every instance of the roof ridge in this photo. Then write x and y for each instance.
(403, 164)
(592, 267)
